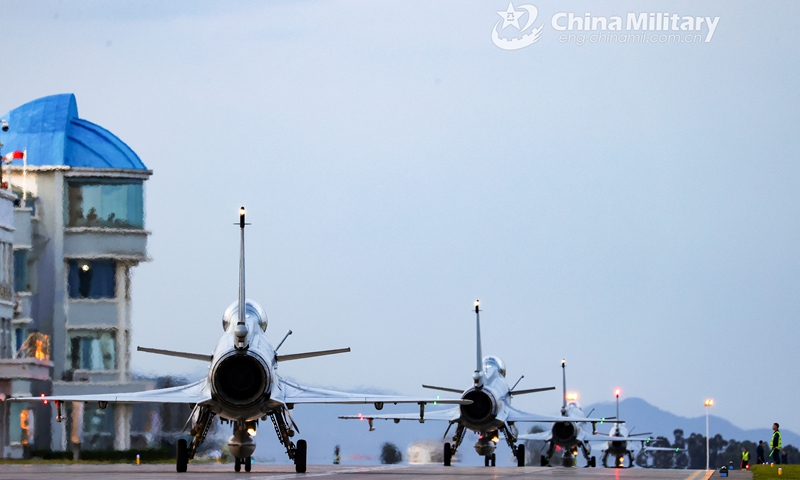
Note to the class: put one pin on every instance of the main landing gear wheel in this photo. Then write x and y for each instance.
(182, 456)
(521, 455)
(237, 465)
(248, 464)
(544, 461)
(448, 454)
(300, 456)
(593, 462)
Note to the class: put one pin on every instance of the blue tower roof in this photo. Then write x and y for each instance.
(49, 128)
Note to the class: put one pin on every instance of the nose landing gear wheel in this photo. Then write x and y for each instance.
(521, 455)
(544, 461)
(300, 456)
(494, 459)
(448, 454)
(593, 462)
(182, 456)
(247, 464)
(237, 465)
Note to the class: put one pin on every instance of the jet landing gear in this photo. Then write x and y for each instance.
(490, 460)
(203, 418)
(450, 450)
(297, 453)
(247, 462)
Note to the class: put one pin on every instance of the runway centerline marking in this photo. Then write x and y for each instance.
(335, 472)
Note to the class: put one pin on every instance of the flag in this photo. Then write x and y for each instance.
(11, 156)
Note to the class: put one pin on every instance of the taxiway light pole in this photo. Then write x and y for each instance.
(708, 404)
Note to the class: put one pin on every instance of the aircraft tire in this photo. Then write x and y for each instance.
(486, 460)
(544, 461)
(300, 456)
(448, 454)
(494, 459)
(521, 455)
(248, 464)
(237, 465)
(181, 456)
(593, 462)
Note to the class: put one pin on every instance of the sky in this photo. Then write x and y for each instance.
(630, 207)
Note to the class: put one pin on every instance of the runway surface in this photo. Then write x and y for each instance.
(340, 472)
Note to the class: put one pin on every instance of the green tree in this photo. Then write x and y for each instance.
(696, 448)
(390, 454)
(681, 459)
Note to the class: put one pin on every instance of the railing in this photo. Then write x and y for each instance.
(37, 346)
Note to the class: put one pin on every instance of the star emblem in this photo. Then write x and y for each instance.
(511, 16)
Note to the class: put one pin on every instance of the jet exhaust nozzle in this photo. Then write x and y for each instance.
(240, 380)
(483, 407)
(564, 432)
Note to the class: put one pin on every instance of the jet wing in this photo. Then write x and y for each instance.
(193, 393)
(515, 415)
(544, 436)
(298, 394)
(661, 449)
(599, 437)
(449, 415)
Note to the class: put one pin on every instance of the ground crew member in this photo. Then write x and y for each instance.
(336, 457)
(760, 453)
(775, 445)
(745, 459)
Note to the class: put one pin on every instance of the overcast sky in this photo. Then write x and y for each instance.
(631, 207)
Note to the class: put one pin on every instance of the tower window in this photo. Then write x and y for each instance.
(92, 350)
(92, 278)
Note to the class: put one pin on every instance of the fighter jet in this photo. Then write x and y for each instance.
(569, 433)
(490, 414)
(242, 386)
(619, 439)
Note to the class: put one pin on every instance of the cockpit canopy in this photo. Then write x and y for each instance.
(252, 311)
(494, 362)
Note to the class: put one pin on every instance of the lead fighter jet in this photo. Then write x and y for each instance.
(242, 387)
(489, 414)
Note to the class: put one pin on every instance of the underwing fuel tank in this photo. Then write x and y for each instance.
(241, 444)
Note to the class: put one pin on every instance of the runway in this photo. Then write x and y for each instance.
(340, 472)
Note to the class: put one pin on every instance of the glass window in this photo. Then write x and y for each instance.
(92, 350)
(92, 278)
(20, 270)
(21, 424)
(104, 203)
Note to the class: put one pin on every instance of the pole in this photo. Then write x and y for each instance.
(707, 437)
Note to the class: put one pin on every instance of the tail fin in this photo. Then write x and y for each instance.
(564, 384)
(241, 327)
(478, 375)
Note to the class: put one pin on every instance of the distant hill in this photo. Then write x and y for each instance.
(646, 418)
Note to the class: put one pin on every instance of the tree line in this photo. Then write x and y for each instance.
(692, 452)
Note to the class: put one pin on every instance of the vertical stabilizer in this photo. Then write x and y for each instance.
(241, 327)
(564, 385)
(478, 375)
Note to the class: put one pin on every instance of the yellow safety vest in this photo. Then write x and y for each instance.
(745, 456)
(776, 445)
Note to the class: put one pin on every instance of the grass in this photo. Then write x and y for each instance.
(761, 472)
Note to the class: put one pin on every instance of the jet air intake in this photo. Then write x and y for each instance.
(240, 380)
(483, 407)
